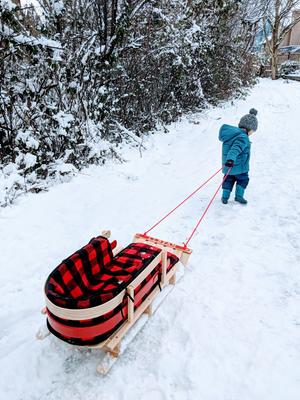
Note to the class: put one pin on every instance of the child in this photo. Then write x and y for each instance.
(236, 155)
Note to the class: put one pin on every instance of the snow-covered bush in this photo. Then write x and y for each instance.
(288, 67)
(77, 81)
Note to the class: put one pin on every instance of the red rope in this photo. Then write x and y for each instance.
(203, 215)
(186, 199)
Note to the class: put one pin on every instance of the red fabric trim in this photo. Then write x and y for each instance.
(87, 332)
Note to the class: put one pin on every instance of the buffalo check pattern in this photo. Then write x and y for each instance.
(92, 276)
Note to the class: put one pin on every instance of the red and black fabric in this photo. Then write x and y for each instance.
(81, 280)
(101, 283)
(132, 260)
(88, 332)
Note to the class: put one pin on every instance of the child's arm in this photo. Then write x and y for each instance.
(237, 148)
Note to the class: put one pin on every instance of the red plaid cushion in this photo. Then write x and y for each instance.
(91, 276)
(79, 274)
(132, 260)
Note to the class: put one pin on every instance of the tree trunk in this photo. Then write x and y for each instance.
(274, 67)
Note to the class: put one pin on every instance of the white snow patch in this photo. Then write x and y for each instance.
(66, 168)
(64, 119)
(30, 160)
(27, 138)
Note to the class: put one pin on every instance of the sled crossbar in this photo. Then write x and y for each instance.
(182, 252)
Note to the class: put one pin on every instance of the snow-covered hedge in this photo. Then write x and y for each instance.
(78, 80)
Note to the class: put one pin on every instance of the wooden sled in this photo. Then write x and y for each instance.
(137, 301)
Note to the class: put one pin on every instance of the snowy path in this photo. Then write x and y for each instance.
(238, 338)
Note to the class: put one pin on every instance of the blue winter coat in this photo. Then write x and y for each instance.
(236, 147)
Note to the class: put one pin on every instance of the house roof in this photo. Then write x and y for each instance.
(290, 49)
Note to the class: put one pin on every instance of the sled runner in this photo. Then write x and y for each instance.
(94, 297)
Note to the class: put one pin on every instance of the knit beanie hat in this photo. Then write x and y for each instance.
(249, 121)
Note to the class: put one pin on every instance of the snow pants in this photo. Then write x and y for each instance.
(241, 180)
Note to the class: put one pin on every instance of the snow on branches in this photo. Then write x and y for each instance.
(79, 78)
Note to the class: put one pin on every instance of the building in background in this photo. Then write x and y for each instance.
(289, 51)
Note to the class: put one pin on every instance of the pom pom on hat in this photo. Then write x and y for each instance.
(253, 111)
(249, 121)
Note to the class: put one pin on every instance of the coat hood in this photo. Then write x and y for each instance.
(228, 132)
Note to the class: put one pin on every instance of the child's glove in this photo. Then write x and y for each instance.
(229, 163)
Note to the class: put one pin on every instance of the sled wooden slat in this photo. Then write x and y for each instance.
(183, 253)
(164, 262)
(173, 280)
(84, 313)
(146, 271)
(114, 340)
(148, 310)
(130, 291)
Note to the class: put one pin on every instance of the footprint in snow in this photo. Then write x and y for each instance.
(131, 178)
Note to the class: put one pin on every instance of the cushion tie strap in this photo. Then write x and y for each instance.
(128, 295)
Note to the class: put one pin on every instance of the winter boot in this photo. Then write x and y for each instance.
(225, 196)
(239, 195)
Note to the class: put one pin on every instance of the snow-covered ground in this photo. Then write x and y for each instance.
(230, 329)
